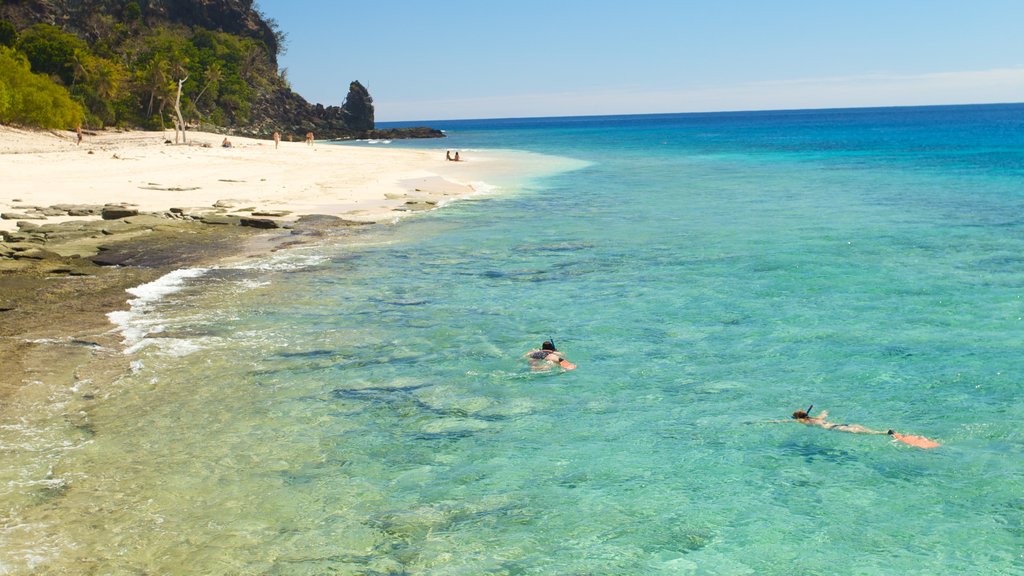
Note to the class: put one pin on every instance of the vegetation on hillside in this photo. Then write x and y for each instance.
(127, 73)
(33, 99)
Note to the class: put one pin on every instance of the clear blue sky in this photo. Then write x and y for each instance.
(426, 60)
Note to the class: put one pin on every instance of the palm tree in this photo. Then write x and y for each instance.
(214, 75)
(78, 67)
(107, 81)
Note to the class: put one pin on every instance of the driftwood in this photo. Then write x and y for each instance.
(179, 122)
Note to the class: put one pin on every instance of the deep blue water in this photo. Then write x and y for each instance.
(361, 407)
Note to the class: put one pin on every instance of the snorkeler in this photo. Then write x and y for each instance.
(804, 417)
(548, 357)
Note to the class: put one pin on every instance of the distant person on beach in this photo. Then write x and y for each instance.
(804, 417)
(448, 155)
(547, 357)
(78, 133)
(309, 138)
(226, 143)
(457, 159)
(277, 139)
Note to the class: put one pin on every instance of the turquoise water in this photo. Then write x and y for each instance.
(361, 407)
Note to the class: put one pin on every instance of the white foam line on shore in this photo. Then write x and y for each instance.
(132, 323)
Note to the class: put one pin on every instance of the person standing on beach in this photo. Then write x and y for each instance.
(277, 139)
(78, 133)
(309, 138)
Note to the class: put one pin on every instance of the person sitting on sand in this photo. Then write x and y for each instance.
(804, 417)
(448, 155)
(456, 158)
(548, 357)
(226, 143)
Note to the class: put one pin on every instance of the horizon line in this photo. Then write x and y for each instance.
(708, 112)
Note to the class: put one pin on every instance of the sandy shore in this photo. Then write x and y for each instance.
(140, 170)
(64, 263)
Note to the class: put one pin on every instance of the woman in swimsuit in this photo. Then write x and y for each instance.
(547, 357)
(804, 417)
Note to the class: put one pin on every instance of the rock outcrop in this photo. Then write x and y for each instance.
(291, 115)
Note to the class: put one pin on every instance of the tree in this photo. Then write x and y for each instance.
(33, 99)
(214, 75)
(8, 34)
(51, 51)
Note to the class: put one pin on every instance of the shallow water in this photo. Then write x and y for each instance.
(361, 407)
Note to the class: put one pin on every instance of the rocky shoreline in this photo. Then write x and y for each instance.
(59, 281)
(82, 222)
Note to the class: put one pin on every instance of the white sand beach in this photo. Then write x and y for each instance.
(140, 170)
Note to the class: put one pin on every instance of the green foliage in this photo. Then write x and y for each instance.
(132, 12)
(33, 99)
(129, 74)
(8, 34)
(51, 51)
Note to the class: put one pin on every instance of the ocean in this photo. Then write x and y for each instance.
(361, 405)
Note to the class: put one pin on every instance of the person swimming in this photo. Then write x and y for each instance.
(804, 417)
(547, 356)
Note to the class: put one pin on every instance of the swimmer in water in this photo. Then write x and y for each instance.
(548, 357)
(804, 417)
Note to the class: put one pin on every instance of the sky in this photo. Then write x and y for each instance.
(456, 59)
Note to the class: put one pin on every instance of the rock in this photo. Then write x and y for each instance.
(316, 224)
(271, 213)
(67, 235)
(117, 212)
(357, 111)
(194, 213)
(37, 254)
(265, 223)
(417, 206)
(327, 221)
(19, 216)
(79, 209)
(220, 219)
(146, 220)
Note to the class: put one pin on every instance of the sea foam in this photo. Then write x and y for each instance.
(136, 323)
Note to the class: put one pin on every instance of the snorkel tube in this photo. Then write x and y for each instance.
(565, 364)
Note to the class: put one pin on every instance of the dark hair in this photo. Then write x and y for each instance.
(799, 414)
(548, 345)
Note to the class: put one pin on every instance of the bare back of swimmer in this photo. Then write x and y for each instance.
(548, 357)
(804, 417)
